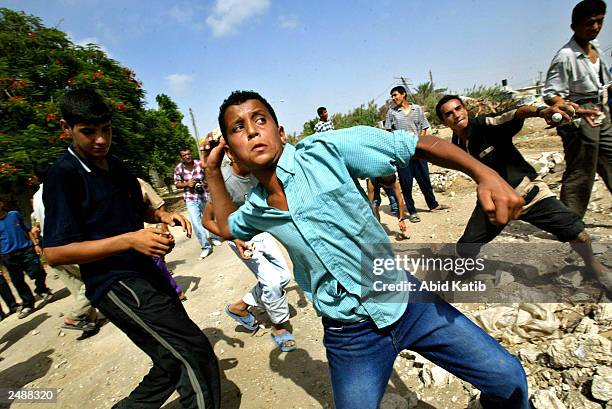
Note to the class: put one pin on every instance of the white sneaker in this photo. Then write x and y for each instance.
(216, 242)
(205, 253)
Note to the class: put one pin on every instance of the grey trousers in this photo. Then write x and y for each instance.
(588, 151)
(71, 277)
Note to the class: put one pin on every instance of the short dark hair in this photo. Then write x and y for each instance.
(586, 9)
(320, 110)
(85, 106)
(237, 98)
(443, 101)
(387, 180)
(183, 149)
(399, 89)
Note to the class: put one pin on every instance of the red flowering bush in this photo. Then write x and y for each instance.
(37, 65)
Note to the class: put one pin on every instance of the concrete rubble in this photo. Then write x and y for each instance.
(393, 401)
(582, 351)
(549, 162)
(564, 348)
(601, 388)
(547, 399)
(442, 179)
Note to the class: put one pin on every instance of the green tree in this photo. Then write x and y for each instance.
(37, 66)
(166, 134)
(494, 93)
(362, 115)
(427, 96)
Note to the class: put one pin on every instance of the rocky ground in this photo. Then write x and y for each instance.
(564, 342)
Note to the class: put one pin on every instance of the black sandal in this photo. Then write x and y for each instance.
(81, 325)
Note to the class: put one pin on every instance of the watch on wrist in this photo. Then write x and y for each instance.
(541, 108)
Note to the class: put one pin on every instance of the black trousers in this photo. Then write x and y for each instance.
(548, 214)
(27, 261)
(153, 317)
(7, 295)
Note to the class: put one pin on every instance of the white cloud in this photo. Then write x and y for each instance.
(91, 40)
(229, 14)
(179, 84)
(289, 22)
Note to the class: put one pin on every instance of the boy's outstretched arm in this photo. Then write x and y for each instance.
(496, 197)
(151, 242)
(220, 197)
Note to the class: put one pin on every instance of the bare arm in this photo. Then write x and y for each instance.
(496, 197)
(160, 215)
(370, 191)
(218, 192)
(34, 234)
(181, 185)
(400, 203)
(151, 242)
(400, 200)
(208, 219)
(530, 111)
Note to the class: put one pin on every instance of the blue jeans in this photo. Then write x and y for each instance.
(195, 210)
(393, 205)
(361, 356)
(416, 169)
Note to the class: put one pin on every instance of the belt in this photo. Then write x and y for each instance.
(335, 323)
(594, 100)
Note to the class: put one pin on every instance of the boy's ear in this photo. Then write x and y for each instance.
(281, 132)
(65, 127)
(228, 152)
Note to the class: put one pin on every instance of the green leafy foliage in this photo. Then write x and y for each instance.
(362, 115)
(166, 134)
(493, 93)
(37, 66)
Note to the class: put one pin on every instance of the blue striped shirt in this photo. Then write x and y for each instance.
(329, 230)
(414, 121)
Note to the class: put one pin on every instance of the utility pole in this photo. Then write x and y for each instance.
(406, 83)
(195, 131)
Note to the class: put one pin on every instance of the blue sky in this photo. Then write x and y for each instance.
(302, 54)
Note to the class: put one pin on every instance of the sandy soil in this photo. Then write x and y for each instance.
(99, 370)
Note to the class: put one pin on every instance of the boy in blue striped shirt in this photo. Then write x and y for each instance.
(309, 200)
